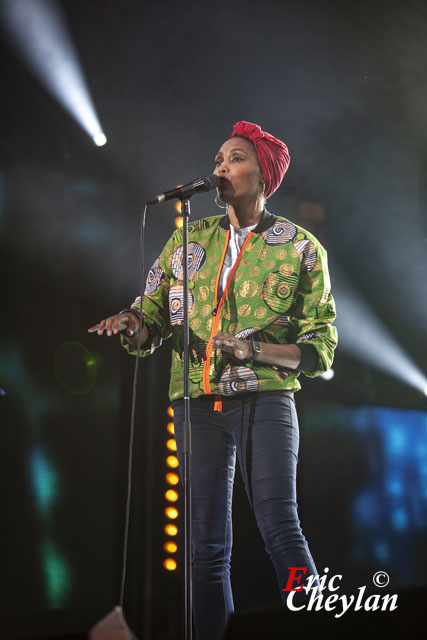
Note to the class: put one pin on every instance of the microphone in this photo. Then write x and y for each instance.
(187, 190)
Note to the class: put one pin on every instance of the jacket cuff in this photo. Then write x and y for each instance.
(309, 358)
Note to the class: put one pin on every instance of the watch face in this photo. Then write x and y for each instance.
(256, 347)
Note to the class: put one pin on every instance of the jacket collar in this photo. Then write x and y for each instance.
(266, 221)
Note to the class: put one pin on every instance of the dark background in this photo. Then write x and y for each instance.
(344, 85)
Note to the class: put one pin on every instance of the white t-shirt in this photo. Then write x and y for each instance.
(237, 238)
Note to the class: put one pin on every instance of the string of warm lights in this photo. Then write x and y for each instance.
(178, 208)
(170, 545)
(171, 495)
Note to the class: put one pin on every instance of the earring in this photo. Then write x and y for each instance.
(260, 200)
(217, 202)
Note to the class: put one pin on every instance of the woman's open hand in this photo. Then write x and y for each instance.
(241, 349)
(113, 324)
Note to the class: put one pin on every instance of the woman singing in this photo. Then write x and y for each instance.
(260, 313)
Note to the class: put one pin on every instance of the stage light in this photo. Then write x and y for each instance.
(171, 529)
(399, 519)
(38, 31)
(170, 547)
(328, 375)
(171, 495)
(172, 461)
(169, 564)
(100, 139)
(363, 335)
(44, 480)
(425, 390)
(171, 444)
(172, 478)
(57, 576)
(170, 412)
(171, 512)
(179, 222)
(170, 427)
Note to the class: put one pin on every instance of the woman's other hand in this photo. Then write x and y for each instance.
(241, 349)
(113, 324)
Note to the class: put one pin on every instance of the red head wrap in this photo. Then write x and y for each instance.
(273, 154)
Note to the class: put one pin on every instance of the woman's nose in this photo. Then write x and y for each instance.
(221, 169)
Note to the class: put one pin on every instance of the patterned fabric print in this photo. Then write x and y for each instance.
(280, 233)
(199, 225)
(196, 260)
(278, 291)
(307, 336)
(281, 373)
(237, 380)
(309, 254)
(176, 307)
(245, 333)
(136, 304)
(197, 352)
(154, 278)
(282, 321)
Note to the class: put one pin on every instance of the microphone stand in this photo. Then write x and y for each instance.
(114, 626)
(185, 212)
(184, 193)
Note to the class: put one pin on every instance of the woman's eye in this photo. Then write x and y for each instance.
(233, 159)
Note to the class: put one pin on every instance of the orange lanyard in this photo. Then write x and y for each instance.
(217, 313)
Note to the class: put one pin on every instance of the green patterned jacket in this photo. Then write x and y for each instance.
(280, 293)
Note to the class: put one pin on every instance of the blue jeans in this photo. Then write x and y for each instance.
(263, 429)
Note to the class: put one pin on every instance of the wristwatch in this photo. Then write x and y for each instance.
(256, 347)
(136, 313)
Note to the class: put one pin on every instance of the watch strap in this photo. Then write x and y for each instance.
(256, 349)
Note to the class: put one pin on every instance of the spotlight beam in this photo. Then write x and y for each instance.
(38, 31)
(365, 337)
